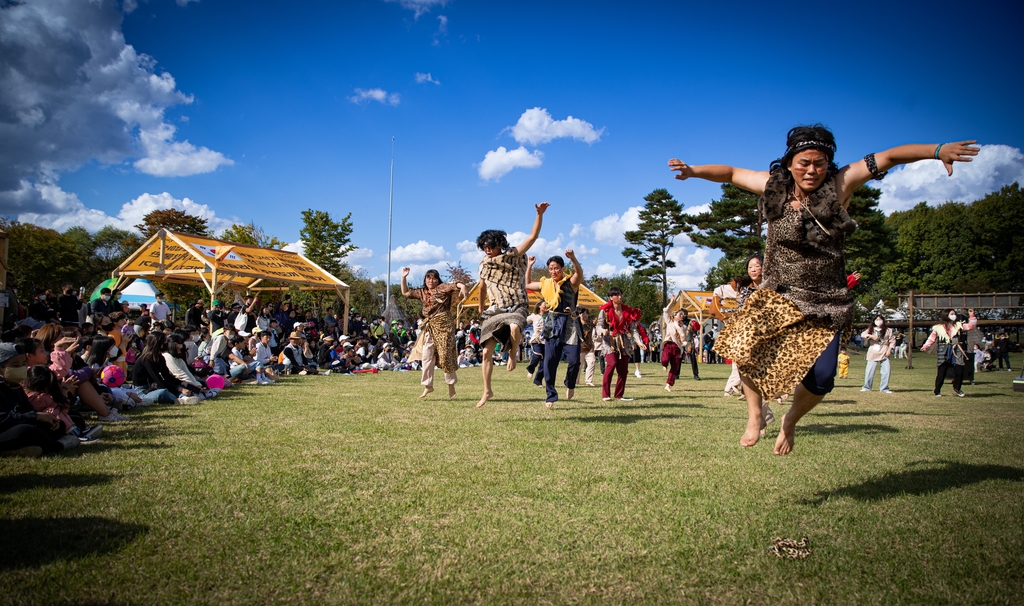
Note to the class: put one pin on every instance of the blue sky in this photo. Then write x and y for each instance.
(254, 111)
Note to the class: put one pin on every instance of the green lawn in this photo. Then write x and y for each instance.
(350, 489)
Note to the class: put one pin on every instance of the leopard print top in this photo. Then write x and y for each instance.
(811, 275)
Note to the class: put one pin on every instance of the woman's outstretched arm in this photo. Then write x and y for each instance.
(854, 175)
(750, 180)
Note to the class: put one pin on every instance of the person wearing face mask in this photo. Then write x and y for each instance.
(787, 336)
(160, 310)
(101, 306)
(38, 309)
(880, 341)
(950, 353)
(24, 431)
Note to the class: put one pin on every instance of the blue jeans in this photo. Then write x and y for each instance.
(158, 396)
(554, 347)
(869, 375)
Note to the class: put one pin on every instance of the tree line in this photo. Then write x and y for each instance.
(954, 247)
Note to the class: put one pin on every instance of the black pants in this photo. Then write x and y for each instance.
(940, 377)
(21, 436)
(693, 363)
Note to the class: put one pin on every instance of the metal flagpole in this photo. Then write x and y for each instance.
(391, 200)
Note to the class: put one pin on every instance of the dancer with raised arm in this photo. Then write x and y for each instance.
(438, 340)
(562, 332)
(503, 279)
(790, 329)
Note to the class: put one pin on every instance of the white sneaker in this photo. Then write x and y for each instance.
(188, 400)
(638, 375)
(864, 389)
(260, 380)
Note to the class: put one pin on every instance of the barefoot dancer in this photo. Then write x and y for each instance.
(503, 277)
(439, 329)
(562, 328)
(789, 330)
(677, 337)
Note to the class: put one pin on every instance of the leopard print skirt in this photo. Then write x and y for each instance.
(772, 343)
(442, 331)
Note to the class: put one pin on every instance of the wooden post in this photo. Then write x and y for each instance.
(913, 341)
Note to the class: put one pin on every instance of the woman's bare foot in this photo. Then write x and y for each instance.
(487, 396)
(549, 404)
(784, 444)
(752, 434)
(667, 388)
(511, 363)
(569, 393)
(426, 390)
(451, 392)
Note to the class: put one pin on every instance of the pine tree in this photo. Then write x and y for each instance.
(661, 220)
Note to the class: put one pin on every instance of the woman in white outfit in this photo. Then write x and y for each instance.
(880, 341)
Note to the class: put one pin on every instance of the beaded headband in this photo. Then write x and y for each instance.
(803, 144)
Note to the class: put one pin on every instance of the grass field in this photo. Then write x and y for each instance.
(351, 490)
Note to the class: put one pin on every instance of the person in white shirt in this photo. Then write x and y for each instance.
(160, 310)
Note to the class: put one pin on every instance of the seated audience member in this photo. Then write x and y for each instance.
(386, 359)
(23, 430)
(47, 395)
(263, 354)
(239, 361)
(295, 360)
(175, 359)
(154, 380)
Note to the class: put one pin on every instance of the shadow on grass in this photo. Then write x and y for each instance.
(28, 481)
(874, 413)
(638, 406)
(937, 477)
(33, 542)
(622, 419)
(830, 429)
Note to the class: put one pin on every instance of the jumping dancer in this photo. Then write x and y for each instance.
(790, 329)
(503, 277)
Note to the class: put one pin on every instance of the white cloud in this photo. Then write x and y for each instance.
(71, 212)
(611, 229)
(419, 6)
(442, 30)
(185, 2)
(72, 91)
(352, 258)
(577, 229)
(690, 269)
(536, 126)
(471, 255)
(606, 270)
(380, 95)
(696, 210)
(416, 272)
(424, 78)
(500, 162)
(421, 251)
(168, 158)
(926, 181)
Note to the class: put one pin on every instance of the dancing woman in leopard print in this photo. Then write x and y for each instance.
(437, 342)
(788, 333)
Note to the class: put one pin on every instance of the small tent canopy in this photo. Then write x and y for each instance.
(698, 304)
(135, 294)
(187, 259)
(587, 298)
